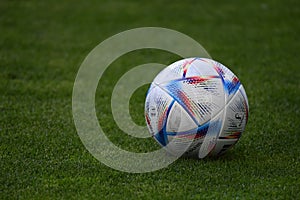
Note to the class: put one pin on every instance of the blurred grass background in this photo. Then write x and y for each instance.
(42, 44)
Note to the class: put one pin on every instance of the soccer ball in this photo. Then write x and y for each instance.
(196, 107)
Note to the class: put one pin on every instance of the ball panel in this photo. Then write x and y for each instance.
(206, 134)
(230, 80)
(179, 120)
(201, 67)
(156, 109)
(236, 117)
(243, 92)
(193, 138)
(202, 98)
(172, 72)
(213, 132)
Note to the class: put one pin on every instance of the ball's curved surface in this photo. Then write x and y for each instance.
(192, 99)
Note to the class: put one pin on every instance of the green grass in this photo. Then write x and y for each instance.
(42, 44)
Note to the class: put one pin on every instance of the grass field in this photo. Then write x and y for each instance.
(43, 43)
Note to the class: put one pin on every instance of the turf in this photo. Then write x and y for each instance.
(43, 43)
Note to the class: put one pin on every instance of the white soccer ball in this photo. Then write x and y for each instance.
(197, 105)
